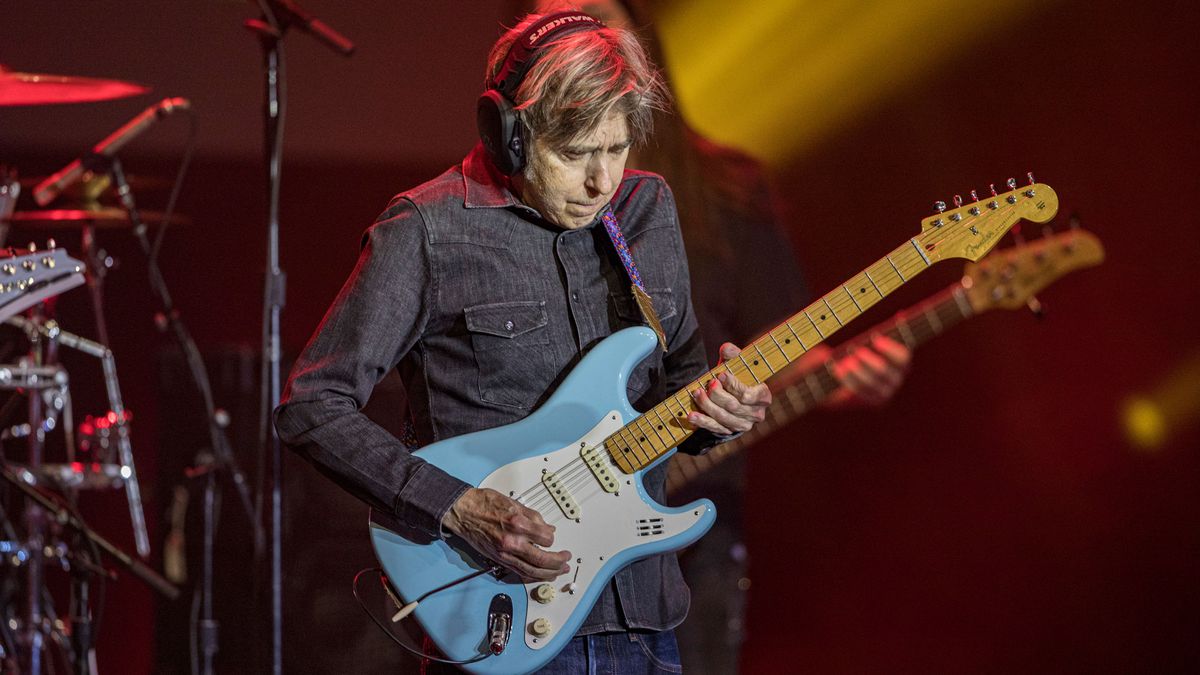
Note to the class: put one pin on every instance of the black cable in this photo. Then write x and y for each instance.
(176, 187)
(383, 627)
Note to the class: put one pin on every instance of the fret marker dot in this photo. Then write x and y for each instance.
(862, 290)
(822, 317)
(787, 341)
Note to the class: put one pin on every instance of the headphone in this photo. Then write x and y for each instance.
(504, 136)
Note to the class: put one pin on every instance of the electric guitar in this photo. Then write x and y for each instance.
(579, 461)
(1007, 279)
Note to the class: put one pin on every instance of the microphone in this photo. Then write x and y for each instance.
(50, 188)
(291, 13)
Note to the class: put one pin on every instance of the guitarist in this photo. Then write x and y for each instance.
(732, 230)
(484, 286)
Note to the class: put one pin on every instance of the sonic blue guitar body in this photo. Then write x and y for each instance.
(553, 461)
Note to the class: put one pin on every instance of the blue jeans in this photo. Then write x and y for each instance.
(617, 654)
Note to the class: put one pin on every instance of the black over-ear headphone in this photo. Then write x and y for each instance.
(500, 128)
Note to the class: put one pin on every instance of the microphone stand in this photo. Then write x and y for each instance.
(277, 17)
(221, 455)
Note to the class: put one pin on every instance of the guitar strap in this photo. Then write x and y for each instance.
(645, 304)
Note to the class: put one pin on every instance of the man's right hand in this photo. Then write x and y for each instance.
(508, 533)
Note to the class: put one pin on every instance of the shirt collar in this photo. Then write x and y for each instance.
(483, 185)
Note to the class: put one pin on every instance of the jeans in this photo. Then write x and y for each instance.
(617, 654)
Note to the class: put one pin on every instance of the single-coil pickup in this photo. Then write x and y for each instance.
(649, 527)
(598, 462)
(560, 493)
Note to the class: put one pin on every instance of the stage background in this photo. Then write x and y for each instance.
(994, 517)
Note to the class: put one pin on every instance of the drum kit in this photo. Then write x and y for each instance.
(43, 530)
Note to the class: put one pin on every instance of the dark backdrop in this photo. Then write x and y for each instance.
(992, 518)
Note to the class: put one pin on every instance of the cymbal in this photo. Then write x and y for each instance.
(92, 187)
(40, 89)
(105, 217)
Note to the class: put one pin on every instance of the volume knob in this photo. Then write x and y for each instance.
(541, 627)
(544, 593)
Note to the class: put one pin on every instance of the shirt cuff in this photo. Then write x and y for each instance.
(427, 497)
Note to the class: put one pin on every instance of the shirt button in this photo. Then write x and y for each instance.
(508, 325)
(575, 296)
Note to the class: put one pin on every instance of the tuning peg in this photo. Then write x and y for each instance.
(992, 187)
(1029, 175)
(974, 196)
(1036, 307)
(957, 201)
(32, 247)
(51, 244)
(939, 206)
(1011, 183)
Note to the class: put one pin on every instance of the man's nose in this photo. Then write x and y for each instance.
(599, 178)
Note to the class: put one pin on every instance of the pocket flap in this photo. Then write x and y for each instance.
(506, 319)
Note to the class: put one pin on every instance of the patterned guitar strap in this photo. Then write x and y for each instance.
(645, 304)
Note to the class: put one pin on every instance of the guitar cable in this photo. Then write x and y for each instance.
(410, 606)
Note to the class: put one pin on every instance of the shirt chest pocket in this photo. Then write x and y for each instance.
(508, 339)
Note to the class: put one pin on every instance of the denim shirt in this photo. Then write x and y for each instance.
(484, 307)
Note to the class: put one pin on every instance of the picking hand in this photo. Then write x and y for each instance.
(727, 405)
(508, 533)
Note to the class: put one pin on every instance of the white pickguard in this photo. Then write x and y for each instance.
(608, 523)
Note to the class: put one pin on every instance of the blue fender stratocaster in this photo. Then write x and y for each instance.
(580, 458)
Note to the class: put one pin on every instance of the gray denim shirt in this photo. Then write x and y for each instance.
(484, 308)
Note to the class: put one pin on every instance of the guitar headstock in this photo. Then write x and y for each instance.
(971, 230)
(1009, 278)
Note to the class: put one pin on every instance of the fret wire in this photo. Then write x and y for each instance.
(634, 446)
(786, 359)
(868, 273)
(814, 324)
(742, 357)
(799, 339)
(835, 316)
(763, 357)
(650, 437)
(844, 288)
(666, 423)
(897, 269)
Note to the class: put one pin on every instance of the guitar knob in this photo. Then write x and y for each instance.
(544, 593)
(939, 206)
(540, 627)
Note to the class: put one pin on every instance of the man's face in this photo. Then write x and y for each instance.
(569, 185)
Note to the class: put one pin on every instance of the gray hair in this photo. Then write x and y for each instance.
(579, 78)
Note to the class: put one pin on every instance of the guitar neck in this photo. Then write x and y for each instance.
(913, 327)
(663, 427)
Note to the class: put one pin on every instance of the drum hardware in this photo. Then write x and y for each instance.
(114, 434)
(41, 89)
(99, 217)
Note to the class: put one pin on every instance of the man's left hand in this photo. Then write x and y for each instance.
(728, 406)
